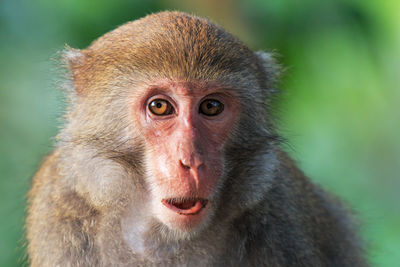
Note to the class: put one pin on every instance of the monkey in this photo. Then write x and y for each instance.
(169, 156)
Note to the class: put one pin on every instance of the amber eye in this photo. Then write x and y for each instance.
(211, 107)
(160, 107)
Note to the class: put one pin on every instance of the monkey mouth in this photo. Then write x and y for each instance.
(185, 206)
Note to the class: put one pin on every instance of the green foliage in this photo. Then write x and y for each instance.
(339, 106)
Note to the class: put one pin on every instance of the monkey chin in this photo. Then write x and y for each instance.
(184, 216)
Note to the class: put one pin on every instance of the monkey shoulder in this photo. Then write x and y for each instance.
(299, 224)
(58, 217)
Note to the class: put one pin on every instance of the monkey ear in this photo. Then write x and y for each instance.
(270, 68)
(74, 60)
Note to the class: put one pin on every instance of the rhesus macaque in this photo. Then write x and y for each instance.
(168, 157)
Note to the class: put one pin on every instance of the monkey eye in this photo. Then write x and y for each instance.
(161, 107)
(211, 107)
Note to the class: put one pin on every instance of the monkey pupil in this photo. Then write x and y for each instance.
(209, 105)
(158, 105)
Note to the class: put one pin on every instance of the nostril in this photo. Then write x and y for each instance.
(201, 166)
(185, 166)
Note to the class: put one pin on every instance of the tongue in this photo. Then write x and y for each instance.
(187, 207)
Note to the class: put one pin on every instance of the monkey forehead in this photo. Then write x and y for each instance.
(173, 45)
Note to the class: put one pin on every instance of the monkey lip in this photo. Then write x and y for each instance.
(185, 206)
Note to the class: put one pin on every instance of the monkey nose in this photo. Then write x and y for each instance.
(194, 163)
(194, 169)
(184, 165)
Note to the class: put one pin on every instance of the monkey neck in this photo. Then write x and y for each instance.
(136, 228)
(150, 239)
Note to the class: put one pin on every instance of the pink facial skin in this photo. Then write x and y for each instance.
(185, 148)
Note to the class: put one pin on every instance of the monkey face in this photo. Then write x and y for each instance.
(185, 126)
(175, 104)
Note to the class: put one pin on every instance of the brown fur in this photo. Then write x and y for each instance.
(268, 214)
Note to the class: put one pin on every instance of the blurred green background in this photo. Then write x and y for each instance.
(339, 106)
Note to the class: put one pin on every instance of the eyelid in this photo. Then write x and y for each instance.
(219, 96)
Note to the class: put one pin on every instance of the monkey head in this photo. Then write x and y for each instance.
(179, 99)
